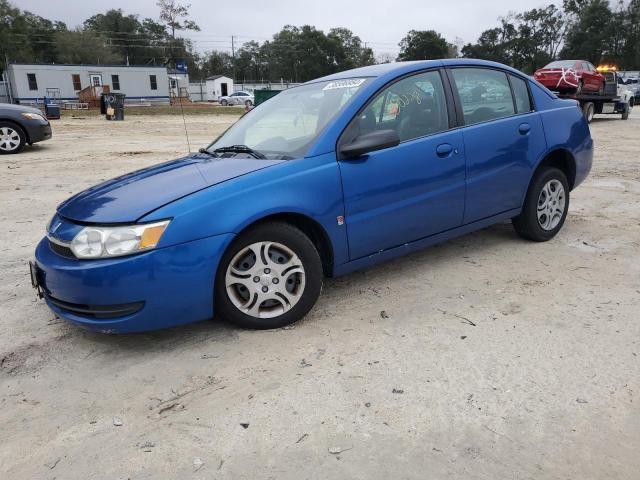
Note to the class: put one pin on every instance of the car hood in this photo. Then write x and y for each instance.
(19, 108)
(130, 197)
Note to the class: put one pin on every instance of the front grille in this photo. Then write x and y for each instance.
(61, 250)
(97, 311)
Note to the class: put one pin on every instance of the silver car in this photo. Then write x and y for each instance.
(238, 98)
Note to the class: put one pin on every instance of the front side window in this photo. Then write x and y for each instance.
(521, 94)
(484, 94)
(414, 107)
(115, 82)
(153, 82)
(285, 126)
(33, 83)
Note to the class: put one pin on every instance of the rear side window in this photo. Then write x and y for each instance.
(520, 94)
(414, 107)
(33, 83)
(484, 94)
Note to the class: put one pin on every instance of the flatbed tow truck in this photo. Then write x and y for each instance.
(615, 99)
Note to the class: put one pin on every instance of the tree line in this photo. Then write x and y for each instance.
(593, 30)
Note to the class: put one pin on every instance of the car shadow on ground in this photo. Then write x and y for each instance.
(218, 330)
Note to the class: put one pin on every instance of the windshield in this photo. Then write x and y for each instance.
(561, 64)
(285, 126)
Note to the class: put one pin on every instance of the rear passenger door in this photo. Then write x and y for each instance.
(503, 138)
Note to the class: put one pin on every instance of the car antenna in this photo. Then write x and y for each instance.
(184, 122)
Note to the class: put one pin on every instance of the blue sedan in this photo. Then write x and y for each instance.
(335, 175)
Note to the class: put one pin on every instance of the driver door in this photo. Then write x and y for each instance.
(411, 191)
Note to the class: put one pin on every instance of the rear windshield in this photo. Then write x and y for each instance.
(561, 64)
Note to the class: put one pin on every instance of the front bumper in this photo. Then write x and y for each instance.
(38, 132)
(157, 289)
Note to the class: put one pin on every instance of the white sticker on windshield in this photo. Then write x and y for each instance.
(347, 83)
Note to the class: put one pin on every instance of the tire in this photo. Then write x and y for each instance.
(248, 103)
(540, 227)
(589, 110)
(12, 138)
(254, 299)
(224, 103)
(626, 111)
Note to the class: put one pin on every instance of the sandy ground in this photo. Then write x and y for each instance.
(486, 357)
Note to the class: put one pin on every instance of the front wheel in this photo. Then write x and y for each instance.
(626, 110)
(269, 277)
(545, 206)
(12, 138)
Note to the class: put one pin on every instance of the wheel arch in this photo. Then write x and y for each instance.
(562, 159)
(310, 227)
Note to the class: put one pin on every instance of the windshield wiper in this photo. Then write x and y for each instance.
(240, 149)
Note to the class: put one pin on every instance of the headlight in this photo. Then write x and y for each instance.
(33, 116)
(104, 242)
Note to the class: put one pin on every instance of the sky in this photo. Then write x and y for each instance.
(380, 23)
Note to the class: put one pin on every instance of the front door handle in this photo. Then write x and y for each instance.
(444, 150)
(524, 128)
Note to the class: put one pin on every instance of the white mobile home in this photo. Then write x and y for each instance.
(31, 82)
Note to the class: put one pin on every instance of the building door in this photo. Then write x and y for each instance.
(223, 89)
(95, 79)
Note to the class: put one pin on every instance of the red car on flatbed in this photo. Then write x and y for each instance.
(570, 75)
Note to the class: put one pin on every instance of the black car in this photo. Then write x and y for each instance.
(20, 125)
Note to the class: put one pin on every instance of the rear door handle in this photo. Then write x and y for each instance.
(444, 150)
(524, 128)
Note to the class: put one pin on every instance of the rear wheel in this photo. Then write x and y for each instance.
(12, 138)
(224, 102)
(545, 206)
(589, 110)
(269, 277)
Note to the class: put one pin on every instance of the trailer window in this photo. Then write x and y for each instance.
(115, 82)
(520, 94)
(33, 83)
(153, 81)
(75, 78)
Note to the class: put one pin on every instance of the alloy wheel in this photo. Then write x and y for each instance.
(9, 139)
(551, 205)
(265, 279)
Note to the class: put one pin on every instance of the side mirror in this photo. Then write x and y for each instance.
(370, 142)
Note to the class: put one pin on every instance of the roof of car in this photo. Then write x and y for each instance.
(400, 68)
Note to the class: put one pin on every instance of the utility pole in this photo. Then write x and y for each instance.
(233, 58)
